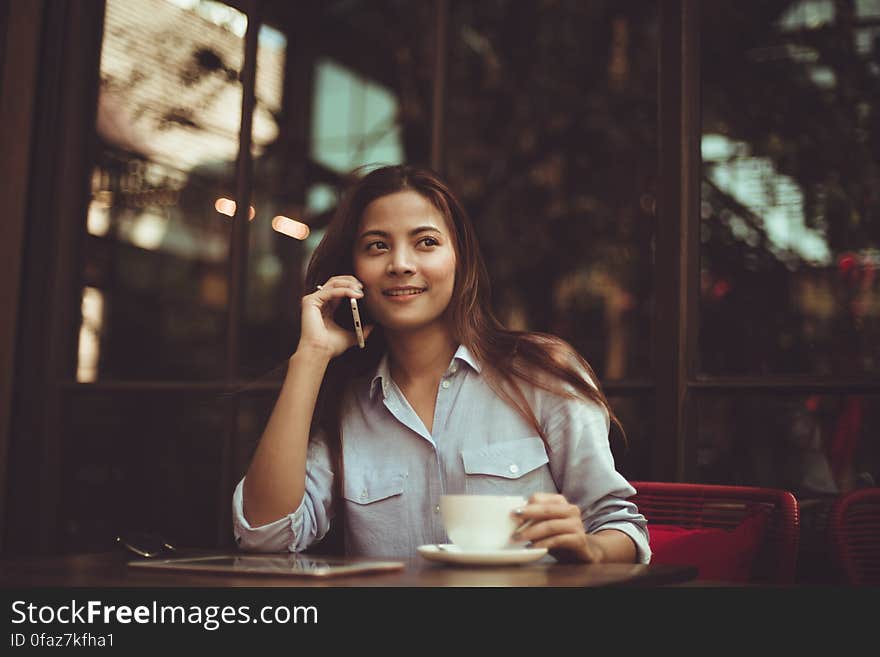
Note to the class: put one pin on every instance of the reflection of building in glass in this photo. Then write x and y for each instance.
(773, 199)
(809, 14)
(168, 122)
(789, 203)
(354, 120)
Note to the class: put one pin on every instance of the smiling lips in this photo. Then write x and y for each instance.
(403, 291)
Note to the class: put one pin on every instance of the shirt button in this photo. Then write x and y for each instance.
(514, 468)
(364, 494)
(437, 509)
(445, 384)
(454, 367)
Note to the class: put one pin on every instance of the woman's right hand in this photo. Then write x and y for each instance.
(318, 329)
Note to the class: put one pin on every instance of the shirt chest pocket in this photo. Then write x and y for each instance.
(514, 467)
(367, 485)
(374, 506)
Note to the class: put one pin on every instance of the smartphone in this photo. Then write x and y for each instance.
(353, 317)
(358, 329)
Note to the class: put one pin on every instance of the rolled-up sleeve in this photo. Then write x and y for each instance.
(584, 471)
(298, 530)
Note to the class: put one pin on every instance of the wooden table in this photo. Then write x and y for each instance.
(110, 569)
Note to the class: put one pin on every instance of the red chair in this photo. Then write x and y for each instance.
(854, 529)
(733, 534)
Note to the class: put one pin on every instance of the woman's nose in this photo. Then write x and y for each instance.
(401, 262)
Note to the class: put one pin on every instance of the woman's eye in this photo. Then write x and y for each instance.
(375, 246)
(429, 241)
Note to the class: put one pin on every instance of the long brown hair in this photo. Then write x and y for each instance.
(506, 356)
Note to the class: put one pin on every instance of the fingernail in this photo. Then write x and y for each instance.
(518, 511)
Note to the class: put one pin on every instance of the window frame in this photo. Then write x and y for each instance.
(68, 62)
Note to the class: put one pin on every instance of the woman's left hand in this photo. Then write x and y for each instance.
(557, 525)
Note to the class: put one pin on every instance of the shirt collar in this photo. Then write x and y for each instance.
(382, 376)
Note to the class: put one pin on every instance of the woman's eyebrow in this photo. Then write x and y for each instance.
(413, 232)
(424, 229)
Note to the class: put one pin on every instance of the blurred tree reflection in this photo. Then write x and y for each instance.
(551, 140)
(790, 237)
(790, 194)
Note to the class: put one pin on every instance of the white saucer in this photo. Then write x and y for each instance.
(447, 553)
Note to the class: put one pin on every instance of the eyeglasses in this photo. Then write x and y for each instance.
(146, 544)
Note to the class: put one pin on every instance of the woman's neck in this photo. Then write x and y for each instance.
(420, 356)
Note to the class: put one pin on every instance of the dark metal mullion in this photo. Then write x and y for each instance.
(233, 388)
(238, 246)
(76, 145)
(19, 68)
(238, 257)
(244, 385)
(438, 104)
(148, 387)
(794, 385)
(676, 253)
(664, 447)
(691, 171)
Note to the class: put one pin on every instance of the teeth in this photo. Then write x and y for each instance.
(400, 293)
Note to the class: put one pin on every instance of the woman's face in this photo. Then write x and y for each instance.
(405, 257)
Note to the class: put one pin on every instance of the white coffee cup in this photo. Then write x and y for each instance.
(480, 522)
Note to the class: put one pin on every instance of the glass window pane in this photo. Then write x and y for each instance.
(551, 140)
(357, 92)
(156, 249)
(270, 305)
(790, 212)
(141, 462)
(818, 446)
(813, 445)
(354, 119)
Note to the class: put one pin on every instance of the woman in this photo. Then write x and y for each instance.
(442, 400)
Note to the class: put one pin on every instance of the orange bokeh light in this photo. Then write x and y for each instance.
(227, 206)
(290, 227)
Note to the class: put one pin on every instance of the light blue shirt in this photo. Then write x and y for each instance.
(396, 470)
